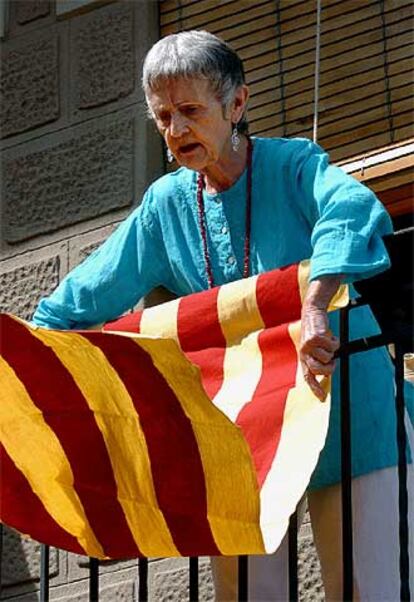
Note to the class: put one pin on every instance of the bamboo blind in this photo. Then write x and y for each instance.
(366, 87)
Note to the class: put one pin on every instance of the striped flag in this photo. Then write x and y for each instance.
(184, 429)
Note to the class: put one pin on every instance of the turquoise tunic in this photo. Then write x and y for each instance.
(301, 207)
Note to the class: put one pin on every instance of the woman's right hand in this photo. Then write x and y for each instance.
(317, 349)
(318, 344)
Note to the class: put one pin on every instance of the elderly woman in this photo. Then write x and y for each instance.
(240, 206)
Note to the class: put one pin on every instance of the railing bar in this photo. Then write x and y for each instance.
(93, 580)
(193, 561)
(143, 580)
(293, 557)
(346, 462)
(243, 579)
(402, 474)
(377, 340)
(44, 573)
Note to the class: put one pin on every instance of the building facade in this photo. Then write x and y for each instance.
(77, 152)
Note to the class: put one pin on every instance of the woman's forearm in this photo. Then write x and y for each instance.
(321, 291)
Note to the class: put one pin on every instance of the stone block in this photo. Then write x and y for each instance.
(26, 593)
(23, 284)
(169, 581)
(81, 174)
(29, 83)
(21, 559)
(68, 8)
(79, 566)
(30, 10)
(122, 591)
(102, 47)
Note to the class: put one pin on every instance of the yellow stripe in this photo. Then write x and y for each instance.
(238, 319)
(161, 320)
(232, 490)
(242, 371)
(38, 454)
(242, 367)
(303, 278)
(341, 297)
(119, 424)
(305, 424)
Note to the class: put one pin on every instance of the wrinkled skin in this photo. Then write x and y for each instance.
(197, 129)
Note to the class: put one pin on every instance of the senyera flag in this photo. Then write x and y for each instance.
(183, 429)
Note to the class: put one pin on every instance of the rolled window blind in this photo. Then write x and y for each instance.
(366, 84)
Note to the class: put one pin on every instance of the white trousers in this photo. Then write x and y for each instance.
(375, 545)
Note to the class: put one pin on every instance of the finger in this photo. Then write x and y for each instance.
(326, 342)
(335, 342)
(321, 355)
(314, 385)
(316, 367)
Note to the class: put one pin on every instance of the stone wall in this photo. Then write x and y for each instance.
(77, 152)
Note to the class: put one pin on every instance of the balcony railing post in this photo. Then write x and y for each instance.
(44, 573)
(93, 580)
(293, 557)
(243, 578)
(143, 580)
(193, 568)
(402, 473)
(346, 459)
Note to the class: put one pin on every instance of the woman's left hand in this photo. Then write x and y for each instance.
(318, 344)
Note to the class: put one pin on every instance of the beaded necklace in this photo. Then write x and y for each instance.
(202, 219)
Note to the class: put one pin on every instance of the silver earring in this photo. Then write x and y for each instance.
(235, 138)
(170, 156)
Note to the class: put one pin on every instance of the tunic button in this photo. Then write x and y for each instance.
(217, 199)
(231, 259)
(224, 230)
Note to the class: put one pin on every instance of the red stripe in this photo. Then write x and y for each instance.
(198, 322)
(211, 365)
(53, 390)
(175, 459)
(129, 323)
(21, 509)
(201, 337)
(261, 420)
(278, 296)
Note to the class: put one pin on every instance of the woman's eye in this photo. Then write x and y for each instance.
(189, 110)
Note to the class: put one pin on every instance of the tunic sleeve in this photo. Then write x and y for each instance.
(112, 279)
(347, 220)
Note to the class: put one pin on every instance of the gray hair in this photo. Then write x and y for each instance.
(196, 54)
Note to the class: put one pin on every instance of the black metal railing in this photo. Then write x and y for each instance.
(390, 295)
(348, 349)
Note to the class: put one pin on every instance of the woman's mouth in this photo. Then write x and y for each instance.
(186, 149)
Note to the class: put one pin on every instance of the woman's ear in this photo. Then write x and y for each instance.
(239, 104)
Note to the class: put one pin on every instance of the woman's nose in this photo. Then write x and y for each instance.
(178, 125)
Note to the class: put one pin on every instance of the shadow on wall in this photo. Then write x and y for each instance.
(20, 567)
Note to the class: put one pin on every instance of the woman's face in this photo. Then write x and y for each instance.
(192, 121)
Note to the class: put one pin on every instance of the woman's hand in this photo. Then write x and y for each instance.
(318, 345)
